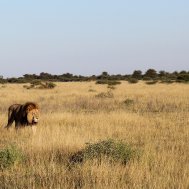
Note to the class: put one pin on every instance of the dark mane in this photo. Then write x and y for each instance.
(35, 105)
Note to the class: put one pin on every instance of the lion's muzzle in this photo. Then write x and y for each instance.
(35, 120)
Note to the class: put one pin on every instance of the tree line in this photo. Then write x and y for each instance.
(149, 75)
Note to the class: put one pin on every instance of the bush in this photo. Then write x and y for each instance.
(3, 81)
(151, 82)
(132, 80)
(151, 73)
(108, 94)
(49, 85)
(9, 156)
(167, 81)
(183, 78)
(129, 102)
(108, 82)
(37, 84)
(146, 78)
(114, 151)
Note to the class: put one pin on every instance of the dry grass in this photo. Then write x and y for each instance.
(156, 121)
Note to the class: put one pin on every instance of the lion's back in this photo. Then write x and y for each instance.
(15, 107)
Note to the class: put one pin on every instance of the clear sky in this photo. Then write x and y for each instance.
(90, 36)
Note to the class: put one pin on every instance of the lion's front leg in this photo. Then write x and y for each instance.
(18, 125)
(34, 129)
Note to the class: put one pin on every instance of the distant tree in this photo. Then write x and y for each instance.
(16, 80)
(162, 73)
(183, 77)
(2, 80)
(105, 74)
(151, 73)
(183, 72)
(45, 76)
(118, 77)
(133, 80)
(175, 73)
(67, 75)
(93, 77)
(137, 74)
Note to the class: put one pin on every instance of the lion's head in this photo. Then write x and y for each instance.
(32, 112)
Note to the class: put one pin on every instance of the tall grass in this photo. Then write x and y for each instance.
(151, 118)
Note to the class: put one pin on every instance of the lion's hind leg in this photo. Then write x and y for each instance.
(10, 119)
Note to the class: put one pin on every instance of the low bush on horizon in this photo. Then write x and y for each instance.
(108, 82)
(132, 80)
(167, 81)
(37, 84)
(151, 82)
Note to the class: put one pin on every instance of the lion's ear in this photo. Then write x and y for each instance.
(29, 108)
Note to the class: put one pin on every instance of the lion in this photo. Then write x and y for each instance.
(23, 114)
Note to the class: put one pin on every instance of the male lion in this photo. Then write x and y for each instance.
(23, 115)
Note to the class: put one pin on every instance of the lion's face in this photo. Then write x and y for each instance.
(33, 116)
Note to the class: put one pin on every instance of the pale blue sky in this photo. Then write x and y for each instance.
(88, 37)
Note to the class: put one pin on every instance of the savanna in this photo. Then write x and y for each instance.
(150, 119)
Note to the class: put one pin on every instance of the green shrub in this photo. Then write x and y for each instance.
(113, 82)
(114, 151)
(102, 82)
(3, 81)
(49, 85)
(133, 80)
(128, 102)
(167, 81)
(151, 82)
(183, 78)
(37, 84)
(10, 156)
(145, 78)
(108, 82)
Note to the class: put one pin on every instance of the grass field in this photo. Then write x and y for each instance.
(151, 118)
